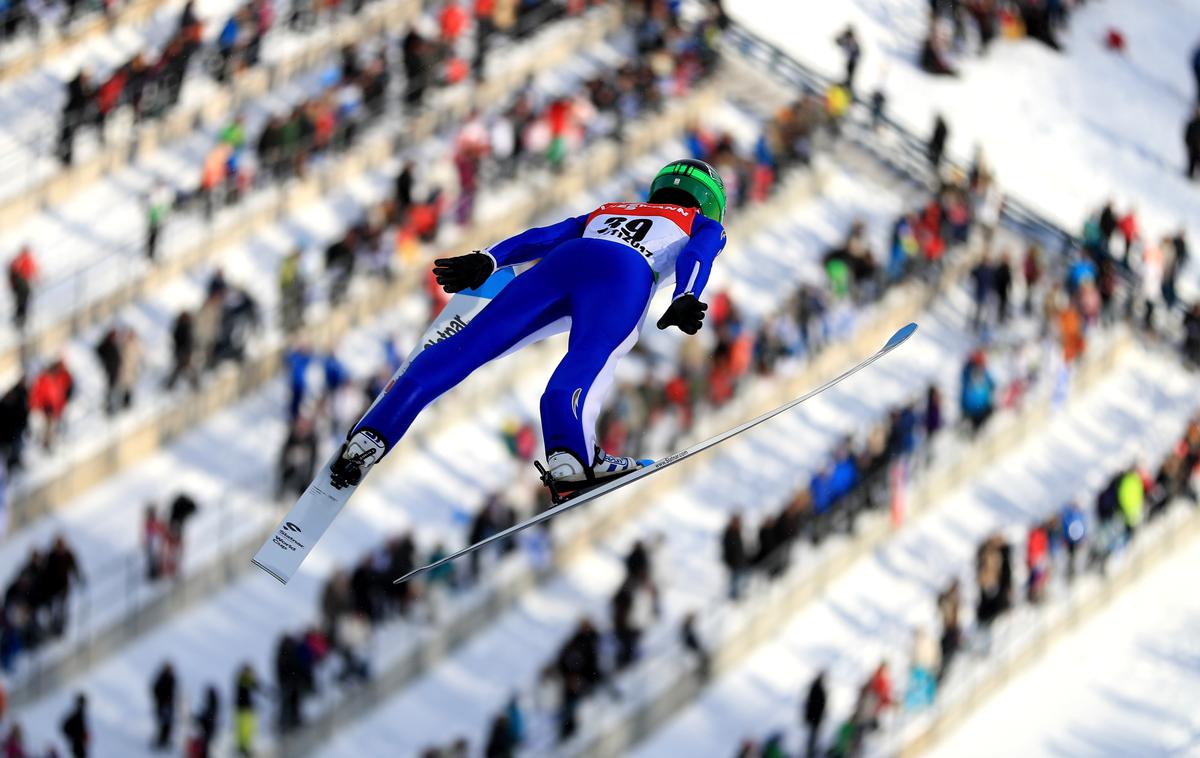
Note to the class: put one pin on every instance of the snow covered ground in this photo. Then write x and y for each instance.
(1124, 684)
(1065, 131)
(871, 612)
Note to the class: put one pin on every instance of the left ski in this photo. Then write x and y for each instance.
(897, 339)
(314, 512)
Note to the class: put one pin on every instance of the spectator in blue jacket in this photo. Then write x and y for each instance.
(1074, 533)
(845, 474)
(978, 392)
(227, 44)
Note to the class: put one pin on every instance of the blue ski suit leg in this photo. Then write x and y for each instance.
(609, 289)
(604, 287)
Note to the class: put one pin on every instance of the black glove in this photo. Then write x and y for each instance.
(685, 312)
(464, 272)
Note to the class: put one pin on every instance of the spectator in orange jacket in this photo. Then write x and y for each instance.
(1070, 326)
(213, 175)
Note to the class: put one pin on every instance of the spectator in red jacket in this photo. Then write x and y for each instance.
(1037, 561)
(49, 395)
(881, 688)
(22, 273)
(453, 21)
(108, 97)
(1127, 225)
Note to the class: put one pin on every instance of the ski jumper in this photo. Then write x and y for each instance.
(596, 276)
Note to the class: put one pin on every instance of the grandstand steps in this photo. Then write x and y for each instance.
(869, 612)
(127, 143)
(1170, 535)
(95, 25)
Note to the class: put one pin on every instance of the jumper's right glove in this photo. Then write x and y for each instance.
(685, 312)
(463, 272)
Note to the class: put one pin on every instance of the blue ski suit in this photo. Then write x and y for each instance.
(596, 276)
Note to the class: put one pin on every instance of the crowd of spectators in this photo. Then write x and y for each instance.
(955, 25)
(36, 601)
(149, 83)
(36, 607)
(1069, 541)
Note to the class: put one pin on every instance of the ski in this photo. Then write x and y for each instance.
(314, 512)
(897, 339)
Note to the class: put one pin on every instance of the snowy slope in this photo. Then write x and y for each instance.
(871, 612)
(1125, 684)
(1064, 131)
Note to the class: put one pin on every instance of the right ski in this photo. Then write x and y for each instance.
(897, 339)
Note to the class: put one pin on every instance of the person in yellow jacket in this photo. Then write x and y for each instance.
(1131, 497)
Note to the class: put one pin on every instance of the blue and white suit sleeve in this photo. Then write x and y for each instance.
(695, 261)
(532, 244)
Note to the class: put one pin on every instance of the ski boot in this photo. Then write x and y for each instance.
(359, 454)
(566, 476)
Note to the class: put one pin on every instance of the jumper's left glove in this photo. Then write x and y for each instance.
(464, 272)
(685, 312)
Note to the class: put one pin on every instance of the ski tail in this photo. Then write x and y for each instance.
(899, 338)
(313, 513)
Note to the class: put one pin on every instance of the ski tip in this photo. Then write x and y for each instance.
(410, 575)
(900, 336)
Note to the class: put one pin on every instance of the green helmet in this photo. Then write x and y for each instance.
(694, 180)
